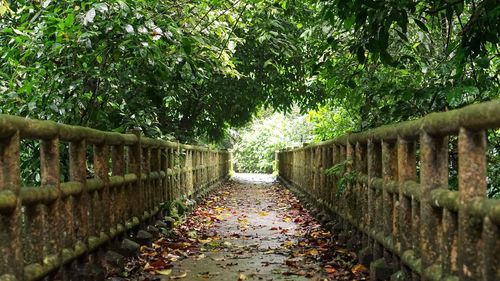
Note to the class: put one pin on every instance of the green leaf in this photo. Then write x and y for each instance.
(459, 8)
(4, 7)
(187, 46)
(386, 58)
(360, 55)
(422, 25)
(70, 19)
(483, 62)
(349, 22)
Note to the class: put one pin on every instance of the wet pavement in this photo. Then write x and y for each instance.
(251, 228)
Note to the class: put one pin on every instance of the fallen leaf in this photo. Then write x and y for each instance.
(205, 241)
(242, 277)
(179, 276)
(330, 269)
(164, 272)
(199, 257)
(358, 268)
(313, 252)
(263, 213)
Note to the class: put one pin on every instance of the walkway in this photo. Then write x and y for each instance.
(251, 228)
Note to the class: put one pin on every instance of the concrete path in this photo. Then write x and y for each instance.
(251, 228)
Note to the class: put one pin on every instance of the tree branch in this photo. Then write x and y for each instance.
(225, 44)
(444, 7)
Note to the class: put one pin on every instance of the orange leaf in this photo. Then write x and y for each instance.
(330, 269)
(358, 268)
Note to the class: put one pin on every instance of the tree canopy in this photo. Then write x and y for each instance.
(185, 68)
(194, 69)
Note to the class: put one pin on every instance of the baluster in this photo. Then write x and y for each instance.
(118, 212)
(434, 174)
(11, 263)
(101, 167)
(361, 189)
(50, 178)
(389, 175)
(375, 195)
(406, 171)
(335, 161)
(78, 173)
(147, 180)
(135, 167)
(471, 186)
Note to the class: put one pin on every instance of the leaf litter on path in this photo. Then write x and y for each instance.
(247, 231)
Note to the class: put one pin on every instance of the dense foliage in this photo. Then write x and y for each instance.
(255, 145)
(194, 69)
(190, 69)
(389, 61)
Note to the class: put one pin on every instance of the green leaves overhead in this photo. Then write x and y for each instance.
(377, 22)
(181, 68)
(191, 70)
(388, 61)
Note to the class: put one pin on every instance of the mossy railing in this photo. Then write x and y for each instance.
(45, 229)
(410, 223)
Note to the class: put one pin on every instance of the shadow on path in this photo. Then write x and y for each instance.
(251, 228)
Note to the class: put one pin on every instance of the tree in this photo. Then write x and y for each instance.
(255, 144)
(183, 69)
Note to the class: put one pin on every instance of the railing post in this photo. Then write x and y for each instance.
(11, 263)
(146, 181)
(78, 173)
(406, 171)
(50, 178)
(349, 192)
(165, 183)
(335, 160)
(101, 167)
(156, 191)
(361, 166)
(189, 171)
(171, 177)
(118, 211)
(389, 174)
(135, 167)
(472, 186)
(433, 175)
(178, 169)
(375, 195)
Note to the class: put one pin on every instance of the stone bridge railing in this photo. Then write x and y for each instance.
(396, 199)
(45, 229)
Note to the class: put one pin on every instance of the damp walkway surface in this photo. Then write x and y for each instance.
(250, 228)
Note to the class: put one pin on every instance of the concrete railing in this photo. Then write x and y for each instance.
(45, 229)
(396, 198)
